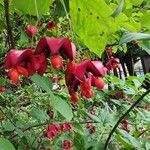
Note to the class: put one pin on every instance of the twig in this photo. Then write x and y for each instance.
(10, 39)
(142, 132)
(46, 123)
(7, 117)
(122, 117)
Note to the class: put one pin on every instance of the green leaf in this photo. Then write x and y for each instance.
(8, 126)
(136, 2)
(6, 144)
(93, 117)
(58, 104)
(2, 25)
(2, 81)
(119, 9)
(78, 128)
(62, 107)
(24, 38)
(79, 142)
(39, 114)
(30, 7)
(128, 36)
(43, 82)
(59, 9)
(145, 45)
(145, 19)
(90, 24)
(128, 140)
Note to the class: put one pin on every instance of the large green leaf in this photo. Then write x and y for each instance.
(128, 36)
(91, 23)
(127, 140)
(145, 19)
(39, 114)
(32, 7)
(58, 104)
(62, 107)
(6, 144)
(42, 82)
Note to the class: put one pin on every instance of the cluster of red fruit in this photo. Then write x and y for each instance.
(54, 129)
(29, 61)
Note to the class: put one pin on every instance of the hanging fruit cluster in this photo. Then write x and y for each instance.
(79, 77)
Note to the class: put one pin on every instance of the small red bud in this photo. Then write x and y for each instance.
(51, 25)
(31, 30)
(125, 125)
(93, 112)
(119, 95)
(2, 89)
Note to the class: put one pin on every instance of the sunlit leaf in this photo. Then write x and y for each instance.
(6, 144)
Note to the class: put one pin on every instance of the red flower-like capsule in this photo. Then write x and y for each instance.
(31, 30)
(81, 74)
(52, 131)
(14, 73)
(57, 48)
(54, 46)
(57, 62)
(24, 62)
(67, 145)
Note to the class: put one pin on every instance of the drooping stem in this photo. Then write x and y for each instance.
(122, 117)
(46, 123)
(10, 38)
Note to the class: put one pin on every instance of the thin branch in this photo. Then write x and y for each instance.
(142, 132)
(122, 117)
(10, 38)
(7, 116)
(46, 123)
